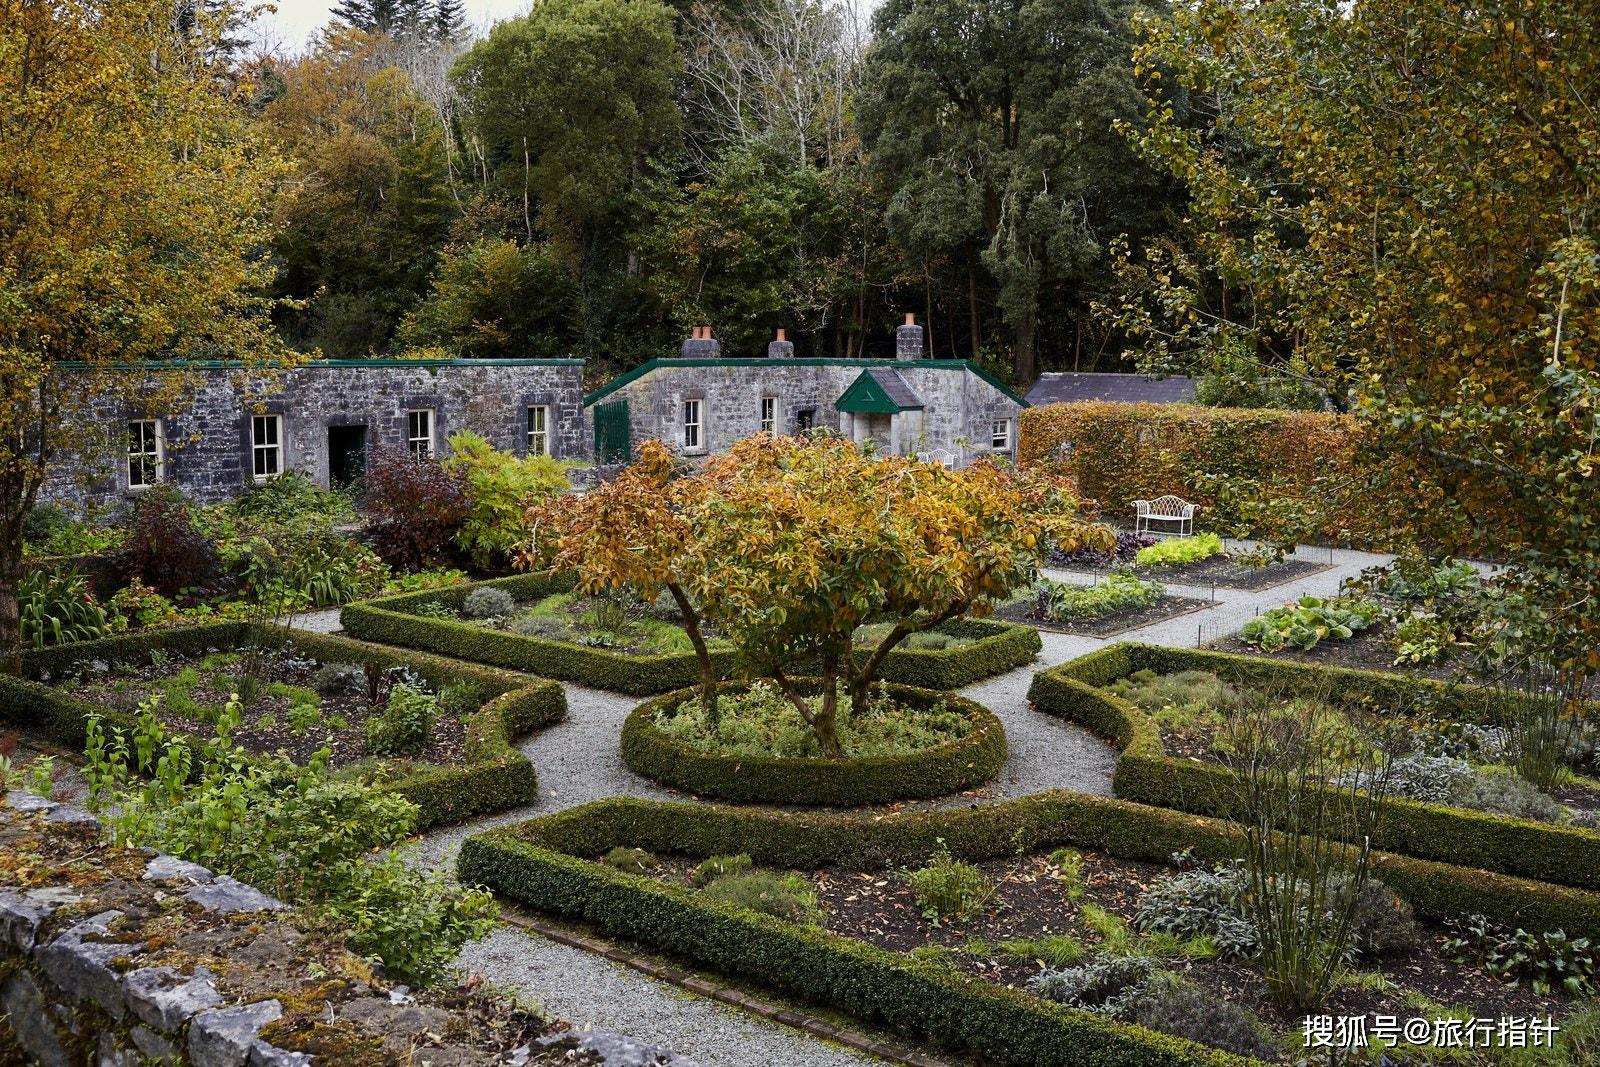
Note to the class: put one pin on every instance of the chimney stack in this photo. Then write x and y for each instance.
(700, 345)
(908, 339)
(782, 348)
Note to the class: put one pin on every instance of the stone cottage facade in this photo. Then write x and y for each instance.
(701, 403)
(323, 418)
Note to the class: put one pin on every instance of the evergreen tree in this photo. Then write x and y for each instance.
(394, 17)
(448, 21)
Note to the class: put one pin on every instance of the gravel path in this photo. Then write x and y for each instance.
(592, 991)
(578, 761)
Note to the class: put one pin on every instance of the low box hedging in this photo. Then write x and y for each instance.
(1560, 854)
(935, 772)
(545, 863)
(495, 777)
(996, 646)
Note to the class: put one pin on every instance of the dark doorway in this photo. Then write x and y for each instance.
(347, 455)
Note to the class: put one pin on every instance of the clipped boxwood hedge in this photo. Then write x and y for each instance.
(1560, 854)
(934, 772)
(496, 777)
(546, 863)
(996, 647)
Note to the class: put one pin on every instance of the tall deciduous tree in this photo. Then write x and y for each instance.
(134, 205)
(993, 121)
(1426, 233)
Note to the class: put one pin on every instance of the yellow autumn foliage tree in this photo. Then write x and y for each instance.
(134, 206)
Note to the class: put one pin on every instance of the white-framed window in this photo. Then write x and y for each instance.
(419, 431)
(1000, 435)
(693, 437)
(539, 430)
(769, 414)
(147, 453)
(266, 446)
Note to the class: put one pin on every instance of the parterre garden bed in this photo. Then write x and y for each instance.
(863, 945)
(313, 690)
(1118, 603)
(1199, 560)
(1562, 850)
(906, 744)
(569, 641)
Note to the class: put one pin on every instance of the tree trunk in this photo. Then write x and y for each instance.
(10, 617)
(861, 681)
(824, 721)
(1024, 352)
(972, 304)
(702, 655)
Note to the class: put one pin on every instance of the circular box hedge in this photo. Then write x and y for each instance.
(933, 772)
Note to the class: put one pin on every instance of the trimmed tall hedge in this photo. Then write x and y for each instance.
(1558, 854)
(961, 764)
(996, 647)
(1120, 453)
(496, 777)
(546, 863)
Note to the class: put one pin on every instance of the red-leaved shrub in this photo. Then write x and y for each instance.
(413, 507)
(165, 549)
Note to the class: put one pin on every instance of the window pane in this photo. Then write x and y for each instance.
(538, 434)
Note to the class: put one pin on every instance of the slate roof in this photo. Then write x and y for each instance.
(904, 397)
(1066, 387)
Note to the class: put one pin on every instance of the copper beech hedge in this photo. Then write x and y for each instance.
(1305, 460)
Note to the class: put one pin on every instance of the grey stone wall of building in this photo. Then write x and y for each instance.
(959, 406)
(208, 447)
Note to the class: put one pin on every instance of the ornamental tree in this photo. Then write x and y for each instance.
(789, 545)
(134, 203)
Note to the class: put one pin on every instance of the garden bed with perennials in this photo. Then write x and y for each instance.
(1453, 732)
(1196, 561)
(1116, 604)
(533, 622)
(1046, 948)
(908, 744)
(437, 731)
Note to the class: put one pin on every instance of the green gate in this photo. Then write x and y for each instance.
(611, 444)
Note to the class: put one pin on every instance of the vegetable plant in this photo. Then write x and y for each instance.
(1119, 591)
(1308, 622)
(1177, 551)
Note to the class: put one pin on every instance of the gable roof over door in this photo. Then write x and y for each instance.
(879, 391)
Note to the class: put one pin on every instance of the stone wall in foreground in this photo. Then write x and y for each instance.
(125, 957)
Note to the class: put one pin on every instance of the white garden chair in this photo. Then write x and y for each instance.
(1165, 516)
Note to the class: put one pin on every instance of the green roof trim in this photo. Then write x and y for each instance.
(328, 364)
(867, 396)
(805, 361)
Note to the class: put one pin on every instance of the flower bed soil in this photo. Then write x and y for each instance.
(1119, 622)
(263, 728)
(1030, 902)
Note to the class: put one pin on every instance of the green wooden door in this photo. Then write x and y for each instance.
(611, 444)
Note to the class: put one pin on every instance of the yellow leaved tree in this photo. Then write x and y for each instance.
(134, 206)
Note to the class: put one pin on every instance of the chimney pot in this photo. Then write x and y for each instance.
(782, 348)
(700, 344)
(780, 334)
(911, 320)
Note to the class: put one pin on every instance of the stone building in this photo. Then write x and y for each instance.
(323, 418)
(701, 402)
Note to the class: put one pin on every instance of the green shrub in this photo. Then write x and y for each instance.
(1118, 591)
(1202, 903)
(291, 499)
(717, 866)
(760, 721)
(787, 896)
(406, 724)
(339, 679)
(500, 487)
(1183, 1010)
(947, 889)
(1421, 639)
(632, 860)
(1107, 985)
(1309, 621)
(142, 606)
(488, 602)
(291, 831)
(1176, 551)
(47, 530)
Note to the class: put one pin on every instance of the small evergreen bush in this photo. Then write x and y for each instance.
(632, 860)
(786, 896)
(406, 723)
(487, 602)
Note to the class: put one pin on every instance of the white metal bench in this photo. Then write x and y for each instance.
(1165, 516)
